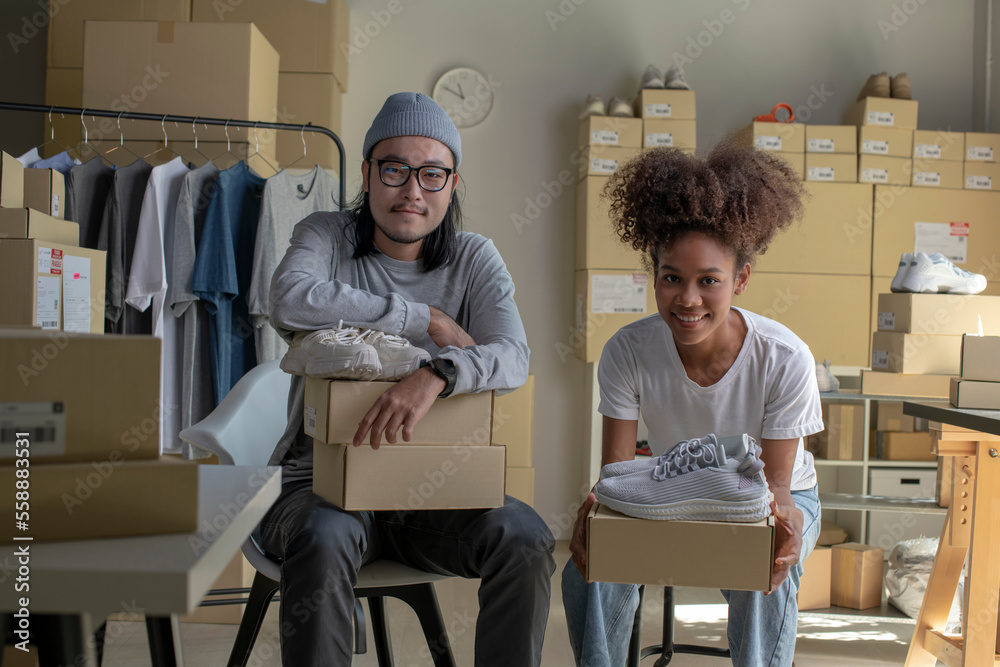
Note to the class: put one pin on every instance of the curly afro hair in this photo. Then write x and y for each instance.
(738, 195)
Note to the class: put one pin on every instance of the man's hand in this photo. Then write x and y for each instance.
(404, 405)
(578, 542)
(787, 541)
(445, 331)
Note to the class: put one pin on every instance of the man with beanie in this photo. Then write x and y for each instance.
(398, 262)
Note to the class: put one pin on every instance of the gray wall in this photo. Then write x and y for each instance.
(769, 52)
(22, 72)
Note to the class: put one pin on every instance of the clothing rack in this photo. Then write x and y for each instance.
(163, 118)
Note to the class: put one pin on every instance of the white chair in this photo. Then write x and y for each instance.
(243, 430)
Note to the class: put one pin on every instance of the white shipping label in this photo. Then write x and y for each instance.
(309, 420)
(603, 165)
(880, 359)
(869, 175)
(979, 153)
(47, 302)
(886, 321)
(875, 147)
(657, 111)
(927, 178)
(660, 139)
(881, 118)
(44, 260)
(951, 239)
(927, 150)
(767, 143)
(43, 422)
(821, 174)
(821, 146)
(76, 294)
(604, 137)
(619, 294)
(55, 206)
(978, 182)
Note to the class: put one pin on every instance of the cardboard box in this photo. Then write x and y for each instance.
(597, 245)
(513, 417)
(604, 160)
(885, 529)
(778, 137)
(814, 584)
(521, 484)
(938, 174)
(833, 236)
(45, 191)
(303, 32)
(106, 498)
(51, 285)
(974, 395)
(832, 167)
(856, 575)
(830, 534)
(792, 298)
(906, 446)
(409, 477)
(885, 141)
(880, 383)
(669, 133)
(982, 146)
(980, 358)
(333, 409)
(220, 70)
(832, 139)
(843, 437)
(238, 574)
(63, 87)
(916, 353)
(655, 103)
(611, 131)
(796, 161)
(945, 479)
(15, 657)
(84, 397)
(890, 417)
(309, 98)
(938, 314)
(26, 223)
(701, 554)
(885, 170)
(939, 145)
(885, 112)
(606, 300)
(66, 23)
(11, 182)
(982, 175)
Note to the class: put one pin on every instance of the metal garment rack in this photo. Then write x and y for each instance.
(163, 118)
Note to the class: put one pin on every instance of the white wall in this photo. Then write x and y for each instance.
(769, 52)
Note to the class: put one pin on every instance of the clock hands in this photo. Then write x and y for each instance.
(459, 94)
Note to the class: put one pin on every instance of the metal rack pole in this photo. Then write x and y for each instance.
(162, 118)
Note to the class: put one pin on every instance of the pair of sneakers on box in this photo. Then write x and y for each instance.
(349, 353)
(922, 273)
(703, 479)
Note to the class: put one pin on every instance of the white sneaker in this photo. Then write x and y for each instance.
(594, 106)
(935, 273)
(674, 80)
(694, 481)
(332, 353)
(734, 447)
(396, 355)
(905, 262)
(619, 106)
(651, 78)
(825, 379)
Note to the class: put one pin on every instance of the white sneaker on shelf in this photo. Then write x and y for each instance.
(338, 353)
(619, 106)
(825, 378)
(734, 446)
(905, 262)
(396, 355)
(651, 78)
(594, 106)
(673, 79)
(935, 273)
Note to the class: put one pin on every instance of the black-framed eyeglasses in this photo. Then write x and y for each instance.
(395, 174)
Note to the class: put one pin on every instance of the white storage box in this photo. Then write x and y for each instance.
(885, 529)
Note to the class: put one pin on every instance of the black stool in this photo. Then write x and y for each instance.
(667, 649)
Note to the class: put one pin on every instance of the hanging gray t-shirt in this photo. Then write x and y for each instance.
(87, 188)
(197, 398)
(287, 200)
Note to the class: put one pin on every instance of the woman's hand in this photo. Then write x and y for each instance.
(787, 541)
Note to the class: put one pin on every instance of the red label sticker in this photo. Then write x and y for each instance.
(57, 262)
(76, 276)
(959, 229)
(640, 279)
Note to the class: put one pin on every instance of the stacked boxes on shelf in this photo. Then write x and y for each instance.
(668, 119)
(786, 140)
(885, 139)
(831, 153)
(981, 167)
(938, 159)
(978, 384)
(900, 437)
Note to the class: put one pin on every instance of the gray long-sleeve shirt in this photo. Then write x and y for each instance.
(318, 283)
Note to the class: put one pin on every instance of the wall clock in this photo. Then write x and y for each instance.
(466, 94)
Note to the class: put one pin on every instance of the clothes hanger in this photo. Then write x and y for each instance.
(195, 153)
(158, 153)
(85, 144)
(302, 136)
(256, 153)
(229, 158)
(52, 137)
(121, 149)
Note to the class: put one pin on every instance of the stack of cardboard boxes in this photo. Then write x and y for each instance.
(978, 384)
(981, 167)
(885, 139)
(831, 153)
(786, 140)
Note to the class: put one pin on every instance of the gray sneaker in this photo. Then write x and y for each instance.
(734, 447)
(694, 481)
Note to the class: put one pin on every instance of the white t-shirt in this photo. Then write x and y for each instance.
(769, 392)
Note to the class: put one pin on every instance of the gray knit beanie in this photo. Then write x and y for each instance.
(413, 114)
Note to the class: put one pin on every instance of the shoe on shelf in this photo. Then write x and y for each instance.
(825, 378)
(338, 353)
(651, 78)
(877, 85)
(905, 262)
(594, 106)
(899, 87)
(619, 106)
(934, 273)
(735, 446)
(397, 357)
(694, 481)
(673, 79)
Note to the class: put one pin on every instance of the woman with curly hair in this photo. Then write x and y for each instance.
(702, 365)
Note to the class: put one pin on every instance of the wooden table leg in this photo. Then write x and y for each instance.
(984, 560)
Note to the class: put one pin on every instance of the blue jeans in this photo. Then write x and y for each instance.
(761, 627)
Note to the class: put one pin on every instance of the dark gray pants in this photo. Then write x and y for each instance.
(322, 547)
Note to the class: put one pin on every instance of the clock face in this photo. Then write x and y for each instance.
(465, 94)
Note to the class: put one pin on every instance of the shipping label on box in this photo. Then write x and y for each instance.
(831, 139)
(611, 131)
(982, 175)
(604, 160)
(938, 174)
(916, 353)
(606, 300)
(668, 133)
(778, 137)
(832, 167)
(981, 358)
(982, 146)
(885, 112)
(676, 104)
(939, 145)
(885, 170)
(885, 141)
